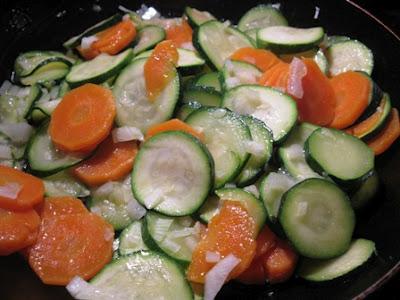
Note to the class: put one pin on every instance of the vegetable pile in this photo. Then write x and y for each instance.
(163, 157)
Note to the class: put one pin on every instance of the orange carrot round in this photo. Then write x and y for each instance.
(173, 124)
(18, 229)
(254, 274)
(71, 245)
(266, 241)
(159, 68)
(276, 76)
(59, 206)
(352, 91)
(111, 40)
(180, 33)
(31, 189)
(111, 161)
(262, 59)
(83, 119)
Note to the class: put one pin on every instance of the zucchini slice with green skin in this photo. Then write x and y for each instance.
(226, 135)
(43, 109)
(235, 73)
(285, 39)
(63, 89)
(148, 37)
(209, 80)
(359, 252)
(203, 95)
(291, 153)
(63, 184)
(26, 63)
(130, 239)
(260, 149)
(343, 157)
(218, 41)
(174, 236)
(322, 62)
(333, 39)
(261, 16)
(197, 17)
(272, 188)
(366, 192)
(310, 214)
(350, 55)
(133, 106)
(47, 74)
(277, 110)
(98, 69)
(186, 109)
(141, 275)
(173, 173)
(374, 100)
(209, 209)
(43, 158)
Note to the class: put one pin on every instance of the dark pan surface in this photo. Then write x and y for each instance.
(32, 25)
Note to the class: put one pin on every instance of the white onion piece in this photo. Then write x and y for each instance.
(127, 133)
(297, 71)
(5, 152)
(87, 42)
(105, 189)
(19, 133)
(10, 190)
(5, 86)
(83, 290)
(135, 210)
(188, 46)
(252, 147)
(253, 189)
(212, 257)
(216, 277)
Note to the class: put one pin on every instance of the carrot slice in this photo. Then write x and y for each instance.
(317, 105)
(388, 135)
(111, 40)
(83, 119)
(352, 90)
(254, 274)
(31, 189)
(158, 69)
(59, 206)
(280, 263)
(180, 33)
(266, 241)
(111, 161)
(71, 245)
(18, 229)
(231, 231)
(273, 76)
(173, 124)
(262, 59)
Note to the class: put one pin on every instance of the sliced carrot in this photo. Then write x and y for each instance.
(266, 241)
(111, 161)
(254, 274)
(71, 245)
(231, 231)
(274, 76)
(388, 135)
(59, 206)
(317, 105)
(111, 40)
(31, 189)
(179, 33)
(262, 59)
(173, 124)
(83, 119)
(159, 68)
(279, 264)
(352, 90)
(18, 229)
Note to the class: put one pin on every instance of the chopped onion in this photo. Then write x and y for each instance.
(5, 86)
(232, 82)
(170, 245)
(19, 133)
(10, 190)
(5, 152)
(108, 235)
(216, 277)
(188, 46)
(105, 189)
(212, 257)
(135, 210)
(87, 42)
(83, 290)
(254, 148)
(297, 71)
(185, 221)
(191, 242)
(253, 189)
(127, 133)
(148, 13)
(54, 92)
(161, 228)
(184, 232)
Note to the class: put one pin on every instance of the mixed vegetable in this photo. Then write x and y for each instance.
(163, 157)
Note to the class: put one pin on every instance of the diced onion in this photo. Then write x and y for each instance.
(253, 189)
(10, 190)
(188, 46)
(135, 210)
(127, 133)
(191, 242)
(105, 189)
(297, 71)
(181, 232)
(254, 148)
(19, 133)
(5, 86)
(170, 245)
(87, 42)
(212, 257)
(83, 290)
(108, 235)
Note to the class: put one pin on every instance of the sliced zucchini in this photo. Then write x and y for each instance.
(350, 55)
(236, 73)
(317, 218)
(174, 236)
(260, 149)
(173, 173)
(366, 192)
(130, 239)
(64, 88)
(205, 96)
(333, 39)
(47, 74)
(43, 109)
(342, 156)
(225, 137)
(197, 17)
(141, 275)
(322, 61)
(322, 270)
(217, 41)
(133, 106)
(374, 100)
(98, 69)
(148, 37)
(252, 33)
(291, 153)
(272, 188)
(277, 110)
(285, 39)
(209, 209)
(186, 109)
(261, 16)
(209, 80)
(63, 184)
